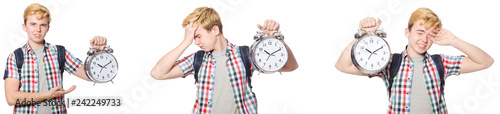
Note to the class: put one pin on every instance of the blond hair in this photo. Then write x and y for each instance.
(430, 19)
(206, 17)
(36, 9)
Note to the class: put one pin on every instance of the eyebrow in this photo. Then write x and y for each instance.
(421, 31)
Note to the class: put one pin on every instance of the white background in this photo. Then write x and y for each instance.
(142, 31)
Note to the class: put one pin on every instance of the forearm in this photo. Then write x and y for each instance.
(291, 64)
(344, 60)
(80, 73)
(168, 61)
(12, 93)
(473, 52)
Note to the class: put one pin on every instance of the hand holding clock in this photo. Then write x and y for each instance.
(269, 27)
(98, 42)
(369, 24)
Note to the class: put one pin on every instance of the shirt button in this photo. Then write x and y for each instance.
(406, 106)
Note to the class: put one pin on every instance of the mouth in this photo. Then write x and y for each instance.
(37, 35)
(421, 46)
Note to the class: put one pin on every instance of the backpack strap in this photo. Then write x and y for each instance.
(19, 59)
(61, 57)
(396, 62)
(439, 64)
(244, 51)
(198, 59)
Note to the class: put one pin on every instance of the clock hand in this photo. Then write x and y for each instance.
(368, 50)
(99, 65)
(370, 56)
(108, 63)
(275, 51)
(267, 52)
(378, 49)
(101, 69)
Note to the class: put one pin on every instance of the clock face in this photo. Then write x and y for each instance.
(102, 67)
(371, 53)
(270, 54)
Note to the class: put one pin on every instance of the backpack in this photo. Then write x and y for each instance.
(396, 62)
(61, 52)
(198, 59)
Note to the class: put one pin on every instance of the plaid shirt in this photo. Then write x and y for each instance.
(399, 101)
(28, 78)
(245, 100)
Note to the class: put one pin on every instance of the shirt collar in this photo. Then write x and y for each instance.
(28, 48)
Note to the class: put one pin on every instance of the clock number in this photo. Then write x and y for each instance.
(94, 63)
(101, 56)
(270, 43)
(264, 45)
(371, 40)
(269, 66)
(360, 59)
(112, 66)
(280, 60)
(257, 54)
(111, 71)
(276, 64)
(260, 49)
(362, 47)
(282, 54)
(383, 59)
(366, 43)
(260, 60)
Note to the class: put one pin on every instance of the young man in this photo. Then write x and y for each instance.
(416, 86)
(222, 86)
(39, 81)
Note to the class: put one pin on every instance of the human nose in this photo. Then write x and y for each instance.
(37, 28)
(197, 41)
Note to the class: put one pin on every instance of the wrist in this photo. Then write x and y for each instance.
(456, 42)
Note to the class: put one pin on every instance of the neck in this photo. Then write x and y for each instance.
(412, 53)
(221, 43)
(35, 45)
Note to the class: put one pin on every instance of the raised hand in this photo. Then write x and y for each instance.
(369, 24)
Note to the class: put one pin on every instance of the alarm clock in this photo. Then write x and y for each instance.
(268, 53)
(101, 66)
(370, 53)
